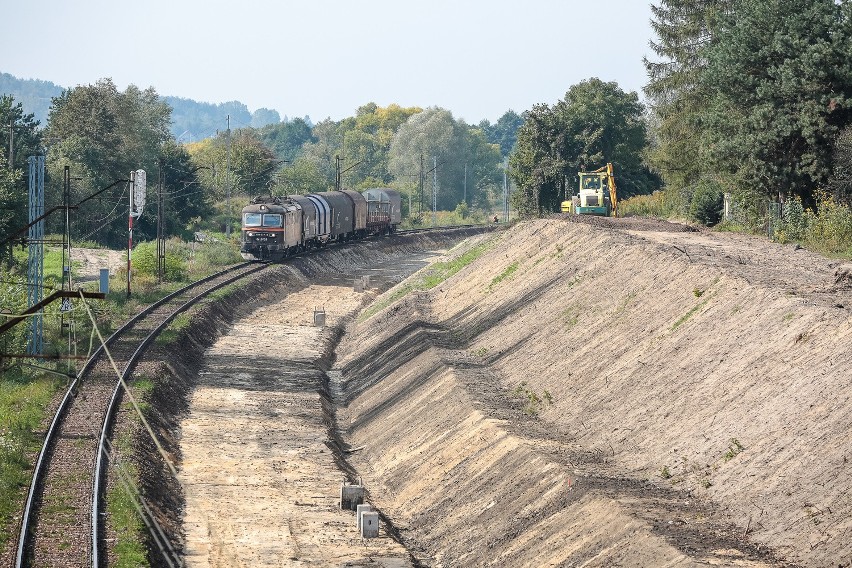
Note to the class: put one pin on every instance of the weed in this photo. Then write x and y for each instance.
(689, 314)
(734, 448)
(788, 317)
(481, 352)
(622, 307)
(534, 402)
(665, 473)
(697, 292)
(571, 314)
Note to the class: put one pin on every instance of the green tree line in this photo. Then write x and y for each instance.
(102, 134)
(746, 97)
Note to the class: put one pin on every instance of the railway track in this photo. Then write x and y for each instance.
(62, 523)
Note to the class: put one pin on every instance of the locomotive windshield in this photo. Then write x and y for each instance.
(262, 220)
(272, 220)
(252, 219)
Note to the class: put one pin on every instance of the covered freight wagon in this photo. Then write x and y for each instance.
(384, 209)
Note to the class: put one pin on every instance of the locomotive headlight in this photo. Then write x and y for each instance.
(250, 234)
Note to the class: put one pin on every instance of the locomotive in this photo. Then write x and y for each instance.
(276, 227)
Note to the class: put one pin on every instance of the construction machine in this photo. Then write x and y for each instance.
(597, 194)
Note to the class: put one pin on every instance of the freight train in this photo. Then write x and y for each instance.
(277, 227)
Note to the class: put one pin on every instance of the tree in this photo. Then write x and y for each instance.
(594, 124)
(287, 138)
(435, 135)
(504, 132)
(263, 117)
(26, 140)
(252, 164)
(185, 197)
(102, 134)
(779, 79)
(841, 180)
(685, 30)
(368, 142)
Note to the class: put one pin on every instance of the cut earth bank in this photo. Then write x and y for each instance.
(597, 392)
(609, 392)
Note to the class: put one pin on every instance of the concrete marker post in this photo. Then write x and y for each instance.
(359, 514)
(370, 524)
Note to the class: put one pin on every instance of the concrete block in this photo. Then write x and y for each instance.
(359, 512)
(351, 496)
(319, 318)
(370, 524)
(358, 285)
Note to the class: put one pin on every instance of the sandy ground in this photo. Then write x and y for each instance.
(259, 475)
(613, 392)
(88, 262)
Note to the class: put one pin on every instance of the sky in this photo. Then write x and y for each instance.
(325, 58)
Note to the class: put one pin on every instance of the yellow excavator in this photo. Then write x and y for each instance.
(597, 194)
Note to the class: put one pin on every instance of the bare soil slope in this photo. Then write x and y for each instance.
(611, 392)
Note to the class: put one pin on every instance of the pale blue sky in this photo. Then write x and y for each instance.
(324, 58)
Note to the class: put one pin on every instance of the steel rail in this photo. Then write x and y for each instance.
(38, 472)
(109, 417)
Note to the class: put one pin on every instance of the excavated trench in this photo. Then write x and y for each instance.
(242, 403)
(601, 393)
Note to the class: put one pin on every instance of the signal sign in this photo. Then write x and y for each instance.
(139, 192)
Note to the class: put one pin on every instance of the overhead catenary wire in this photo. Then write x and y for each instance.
(124, 386)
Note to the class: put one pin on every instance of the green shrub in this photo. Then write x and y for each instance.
(661, 204)
(707, 203)
(144, 260)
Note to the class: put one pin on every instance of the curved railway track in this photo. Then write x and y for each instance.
(62, 523)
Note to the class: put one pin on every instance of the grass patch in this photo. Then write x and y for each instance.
(22, 409)
(124, 519)
(689, 314)
(441, 271)
(511, 269)
(386, 301)
(431, 277)
(174, 329)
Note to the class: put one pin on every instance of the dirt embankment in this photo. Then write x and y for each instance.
(239, 403)
(620, 394)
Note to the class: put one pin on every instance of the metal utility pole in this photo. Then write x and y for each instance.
(228, 178)
(435, 191)
(11, 143)
(506, 193)
(35, 258)
(337, 177)
(422, 183)
(161, 239)
(130, 228)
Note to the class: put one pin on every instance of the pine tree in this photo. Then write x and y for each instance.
(685, 31)
(779, 81)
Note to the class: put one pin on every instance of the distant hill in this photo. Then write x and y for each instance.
(191, 120)
(33, 94)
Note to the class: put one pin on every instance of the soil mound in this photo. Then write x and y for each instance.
(609, 392)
